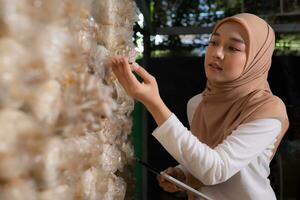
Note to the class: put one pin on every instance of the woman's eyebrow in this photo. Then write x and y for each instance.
(216, 34)
(235, 39)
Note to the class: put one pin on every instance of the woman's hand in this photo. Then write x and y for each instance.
(146, 92)
(168, 186)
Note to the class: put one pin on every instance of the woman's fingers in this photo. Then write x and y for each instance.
(127, 70)
(123, 73)
(122, 68)
(170, 171)
(115, 66)
(167, 185)
(148, 78)
(144, 92)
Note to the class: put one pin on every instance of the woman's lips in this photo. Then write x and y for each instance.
(215, 66)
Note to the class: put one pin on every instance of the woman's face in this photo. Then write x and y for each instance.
(226, 54)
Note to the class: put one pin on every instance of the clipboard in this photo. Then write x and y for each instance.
(178, 183)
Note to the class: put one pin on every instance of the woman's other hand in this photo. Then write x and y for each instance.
(168, 186)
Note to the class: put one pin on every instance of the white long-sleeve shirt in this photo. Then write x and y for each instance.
(236, 169)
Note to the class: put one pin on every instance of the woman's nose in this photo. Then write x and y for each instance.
(219, 53)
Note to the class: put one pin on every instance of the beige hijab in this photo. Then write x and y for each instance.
(225, 106)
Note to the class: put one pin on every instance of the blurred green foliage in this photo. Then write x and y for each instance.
(205, 13)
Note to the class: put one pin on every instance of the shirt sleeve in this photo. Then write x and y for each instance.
(213, 166)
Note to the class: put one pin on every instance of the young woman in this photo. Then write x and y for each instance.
(236, 122)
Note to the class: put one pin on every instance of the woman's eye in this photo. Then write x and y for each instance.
(213, 43)
(233, 49)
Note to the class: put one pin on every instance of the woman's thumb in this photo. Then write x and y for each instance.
(142, 73)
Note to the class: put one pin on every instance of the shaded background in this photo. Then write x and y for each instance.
(172, 36)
